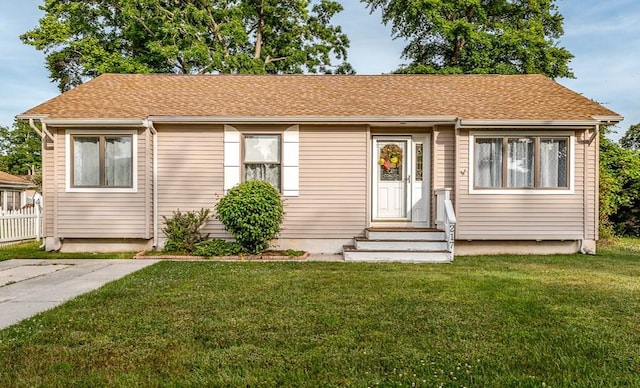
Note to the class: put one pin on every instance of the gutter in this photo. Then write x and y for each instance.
(154, 136)
(364, 120)
(471, 124)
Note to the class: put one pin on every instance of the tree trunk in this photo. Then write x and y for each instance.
(259, 29)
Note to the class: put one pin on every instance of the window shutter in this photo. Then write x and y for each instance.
(291, 162)
(231, 157)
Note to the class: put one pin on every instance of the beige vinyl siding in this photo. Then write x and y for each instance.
(48, 183)
(101, 214)
(333, 184)
(190, 171)
(443, 162)
(520, 216)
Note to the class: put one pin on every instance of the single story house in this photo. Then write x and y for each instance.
(379, 167)
(14, 192)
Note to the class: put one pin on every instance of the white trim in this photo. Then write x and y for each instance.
(572, 163)
(231, 157)
(608, 119)
(512, 124)
(304, 119)
(71, 123)
(290, 159)
(134, 161)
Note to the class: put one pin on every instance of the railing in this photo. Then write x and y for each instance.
(446, 217)
(18, 225)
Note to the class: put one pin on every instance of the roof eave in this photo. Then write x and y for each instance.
(510, 123)
(365, 120)
(87, 122)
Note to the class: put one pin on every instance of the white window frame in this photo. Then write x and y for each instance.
(69, 133)
(289, 158)
(539, 191)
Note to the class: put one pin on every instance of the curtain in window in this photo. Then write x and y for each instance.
(262, 158)
(86, 161)
(520, 161)
(553, 163)
(263, 172)
(488, 162)
(117, 162)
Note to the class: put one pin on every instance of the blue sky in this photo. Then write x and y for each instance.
(604, 36)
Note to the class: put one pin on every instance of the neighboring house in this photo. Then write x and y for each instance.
(383, 161)
(13, 192)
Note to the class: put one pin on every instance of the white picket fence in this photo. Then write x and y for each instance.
(19, 225)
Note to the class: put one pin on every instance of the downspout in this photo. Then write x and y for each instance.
(154, 184)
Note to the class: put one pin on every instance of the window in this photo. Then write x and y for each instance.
(419, 162)
(527, 162)
(10, 200)
(262, 159)
(102, 161)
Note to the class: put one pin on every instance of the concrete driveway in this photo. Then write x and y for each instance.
(28, 287)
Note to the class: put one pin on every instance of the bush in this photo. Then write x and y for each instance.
(252, 212)
(217, 247)
(183, 230)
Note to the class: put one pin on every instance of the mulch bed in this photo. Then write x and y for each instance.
(265, 256)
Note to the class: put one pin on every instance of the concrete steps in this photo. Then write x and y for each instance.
(411, 245)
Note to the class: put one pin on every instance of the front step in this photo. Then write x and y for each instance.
(408, 245)
(368, 244)
(423, 234)
(350, 253)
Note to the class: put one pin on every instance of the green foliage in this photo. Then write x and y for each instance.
(183, 230)
(83, 39)
(631, 138)
(252, 212)
(20, 149)
(476, 36)
(217, 247)
(619, 189)
(293, 253)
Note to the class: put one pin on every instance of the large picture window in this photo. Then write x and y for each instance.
(262, 159)
(102, 161)
(528, 162)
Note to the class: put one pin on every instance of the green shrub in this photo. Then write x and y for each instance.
(217, 247)
(183, 230)
(252, 212)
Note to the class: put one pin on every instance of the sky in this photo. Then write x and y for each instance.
(604, 37)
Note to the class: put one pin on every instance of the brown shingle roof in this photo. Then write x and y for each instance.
(10, 180)
(478, 97)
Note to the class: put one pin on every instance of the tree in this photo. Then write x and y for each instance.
(83, 39)
(631, 138)
(478, 36)
(20, 149)
(619, 189)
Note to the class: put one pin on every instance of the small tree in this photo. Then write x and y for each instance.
(252, 212)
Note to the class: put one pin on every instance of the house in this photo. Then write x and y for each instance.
(384, 167)
(14, 192)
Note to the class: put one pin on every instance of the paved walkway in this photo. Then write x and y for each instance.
(28, 287)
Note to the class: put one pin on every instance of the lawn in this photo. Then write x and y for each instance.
(482, 321)
(31, 250)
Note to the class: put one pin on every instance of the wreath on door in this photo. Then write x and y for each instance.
(390, 156)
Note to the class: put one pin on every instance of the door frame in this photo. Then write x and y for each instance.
(412, 139)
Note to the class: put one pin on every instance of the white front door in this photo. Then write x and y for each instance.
(390, 181)
(400, 180)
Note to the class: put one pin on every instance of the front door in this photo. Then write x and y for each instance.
(400, 180)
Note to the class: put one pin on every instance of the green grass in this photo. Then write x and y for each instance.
(30, 250)
(482, 321)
